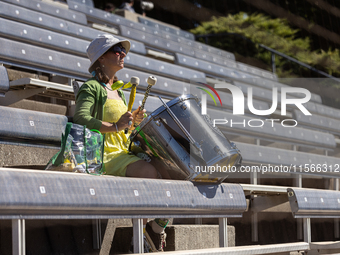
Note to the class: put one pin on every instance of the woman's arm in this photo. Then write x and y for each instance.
(87, 110)
(120, 125)
(85, 105)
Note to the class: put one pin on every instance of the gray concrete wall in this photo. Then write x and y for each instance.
(27, 156)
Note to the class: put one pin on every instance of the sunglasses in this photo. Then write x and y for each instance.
(118, 49)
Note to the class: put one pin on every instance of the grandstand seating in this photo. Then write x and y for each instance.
(129, 28)
(85, 2)
(75, 66)
(266, 130)
(325, 110)
(226, 200)
(58, 25)
(318, 122)
(45, 128)
(163, 68)
(26, 87)
(151, 66)
(51, 9)
(312, 203)
(39, 58)
(100, 16)
(19, 125)
(36, 37)
(41, 20)
(254, 154)
(211, 68)
(94, 14)
(266, 95)
(155, 41)
(173, 30)
(227, 72)
(200, 54)
(43, 37)
(256, 71)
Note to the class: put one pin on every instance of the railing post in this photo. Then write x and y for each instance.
(198, 221)
(138, 245)
(336, 220)
(254, 220)
(96, 232)
(273, 63)
(307, 233)
(18, 237)
(223, 232)
(254, 227)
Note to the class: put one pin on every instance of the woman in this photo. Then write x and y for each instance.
(102, 107)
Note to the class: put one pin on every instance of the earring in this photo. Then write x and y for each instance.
(103, 66)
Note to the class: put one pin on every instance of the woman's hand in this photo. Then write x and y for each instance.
(124, 121)
(138, 116)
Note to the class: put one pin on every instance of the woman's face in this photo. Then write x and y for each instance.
(113, 59)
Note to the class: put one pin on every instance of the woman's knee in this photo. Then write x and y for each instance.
(141, 169)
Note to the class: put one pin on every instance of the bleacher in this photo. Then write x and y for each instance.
(47, 38)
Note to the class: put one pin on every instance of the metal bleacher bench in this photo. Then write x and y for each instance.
(201, 51)
(315, 105)
(85, 2)
(100, 16)
(74, 66)
(298, 163)
(155, 41)
(27, 194)
(43, 37)
(319, 122)
(19, 126)
(230, 73)
(166, 28)
(274, 132)
(156, 37)
(163, 68)
(51, 9)
(37, 19)
(314, 203)
(51, 61)
(42, 20)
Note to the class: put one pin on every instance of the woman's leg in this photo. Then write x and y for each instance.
(141, 169)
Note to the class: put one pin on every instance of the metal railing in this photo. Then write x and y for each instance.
(274, 52)
(33, 194)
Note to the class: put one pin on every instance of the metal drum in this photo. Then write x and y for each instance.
(178, 138)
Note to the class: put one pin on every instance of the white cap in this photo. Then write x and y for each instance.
(102, 44)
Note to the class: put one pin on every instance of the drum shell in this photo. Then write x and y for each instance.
(172, 148)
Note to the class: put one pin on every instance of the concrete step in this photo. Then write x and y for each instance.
(40, 107)
(21, 155)
(190, 237)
